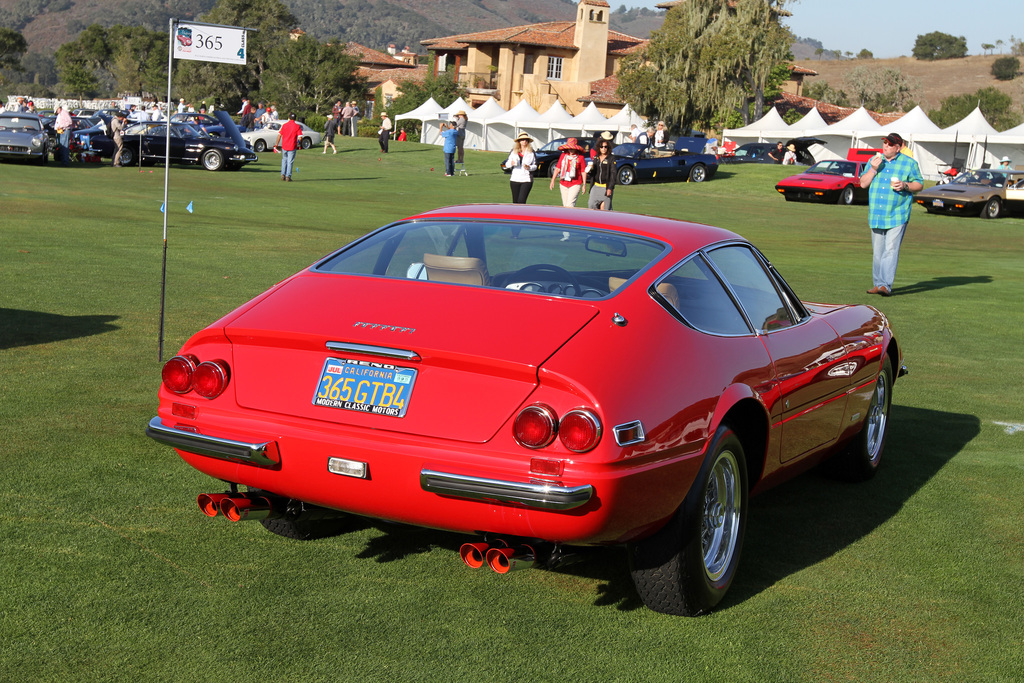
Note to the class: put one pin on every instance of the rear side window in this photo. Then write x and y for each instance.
(754, 287)
(699, 297)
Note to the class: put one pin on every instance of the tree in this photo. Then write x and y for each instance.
(304, 75)
(138, 58)
(999, 44)
(708, 57)
(938, 45)
(78, 80)
(881, 89)
(12, 47)
(865, 54)
(1006, 68)
(819, 52)
(823, 92)
(994, 104)
(987, 47)
(443, 88)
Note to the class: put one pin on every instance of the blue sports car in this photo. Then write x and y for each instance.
(636, 161)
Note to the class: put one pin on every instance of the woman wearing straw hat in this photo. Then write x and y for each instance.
(523, 163)
(789, 159)
(460, 126)
(570, 171)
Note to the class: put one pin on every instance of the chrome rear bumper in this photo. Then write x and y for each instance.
(537, 494)
(263, 454)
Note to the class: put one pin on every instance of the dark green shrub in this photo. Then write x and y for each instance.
(1006, 68)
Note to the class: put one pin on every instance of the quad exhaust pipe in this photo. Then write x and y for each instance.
(504, 558)
(240, 506)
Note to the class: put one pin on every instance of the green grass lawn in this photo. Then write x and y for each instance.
(110, 572)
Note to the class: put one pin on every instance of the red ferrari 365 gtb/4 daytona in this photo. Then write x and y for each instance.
(539, 378)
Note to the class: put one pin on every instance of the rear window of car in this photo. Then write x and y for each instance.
(528, 257)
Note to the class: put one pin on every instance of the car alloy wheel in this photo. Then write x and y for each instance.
(213, 160)
(306, 143)
(993, 208)
(259, 146)
(846, 195)
(698, 174)
(627, 175)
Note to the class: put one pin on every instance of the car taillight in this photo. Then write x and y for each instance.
(535, 426)
(178, 373)
(211, 378)
(579, 430)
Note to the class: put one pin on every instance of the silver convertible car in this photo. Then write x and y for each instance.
(22, 137)
(263, 139)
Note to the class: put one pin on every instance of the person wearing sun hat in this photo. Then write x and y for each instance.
(789, 159)
(1005, 163)
(570, 172)
(523, 163)
(891, 179)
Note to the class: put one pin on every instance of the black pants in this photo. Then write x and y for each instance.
(385, 135)
(520, 191)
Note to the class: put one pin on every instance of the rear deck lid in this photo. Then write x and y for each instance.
(453, 361)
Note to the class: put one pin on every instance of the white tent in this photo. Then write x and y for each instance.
(811, 124)
(432, 126)
(590, 121)
(476, 128)
(769, 126)
(549, 124)
(962, 144)
(1009, 143)
(502, 129)
(428, 109)
(625, 119)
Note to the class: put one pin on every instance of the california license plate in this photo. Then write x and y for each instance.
(938, 202)
(365, 387)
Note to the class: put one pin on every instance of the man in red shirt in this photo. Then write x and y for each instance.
(288, 138)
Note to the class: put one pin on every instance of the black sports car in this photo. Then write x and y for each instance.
(635, 161)
(757, 152)
(189, 145)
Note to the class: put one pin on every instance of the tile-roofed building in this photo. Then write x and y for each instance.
(541, 63)
(369, 57)
(830, 113)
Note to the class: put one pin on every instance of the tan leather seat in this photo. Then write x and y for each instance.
(462, 270)
(665, 289)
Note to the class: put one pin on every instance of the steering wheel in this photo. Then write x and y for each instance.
(538, 269)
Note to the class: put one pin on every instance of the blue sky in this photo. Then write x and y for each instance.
(888, 28)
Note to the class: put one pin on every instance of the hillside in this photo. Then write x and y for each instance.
(939, 79)
(47, 24)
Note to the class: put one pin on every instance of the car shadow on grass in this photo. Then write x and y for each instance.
(941, 283)
(802, 522)
(27, 328)
(791, 527)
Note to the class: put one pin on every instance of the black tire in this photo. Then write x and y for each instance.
(686, 567)
(993, 208)
(698, 173)
(860, 460)
(259, 146)
(127, 156)
(552, 169)
(846, 196)
(213, 160)
(307, 143)
(306, 529)
(627, 175)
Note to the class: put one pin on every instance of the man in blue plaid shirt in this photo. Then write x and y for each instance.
(891, 179)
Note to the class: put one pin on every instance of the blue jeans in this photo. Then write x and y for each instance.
(449, 163)
(885, 245)
(287, 161)
(63, 147)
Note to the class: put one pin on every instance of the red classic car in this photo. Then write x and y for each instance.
(536, 377)
(835, 181)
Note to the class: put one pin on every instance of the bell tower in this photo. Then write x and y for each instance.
(591, 39)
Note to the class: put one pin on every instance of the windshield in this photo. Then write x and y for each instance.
(843, 168)
(20, 123)
(565, 261)
(984, 178)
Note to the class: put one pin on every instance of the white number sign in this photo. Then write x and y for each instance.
(204, 43)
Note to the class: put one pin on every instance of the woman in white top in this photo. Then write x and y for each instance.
(523, 163)
(660, 137)
(790, 157)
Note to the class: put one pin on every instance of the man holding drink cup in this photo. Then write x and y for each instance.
(889, 202)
